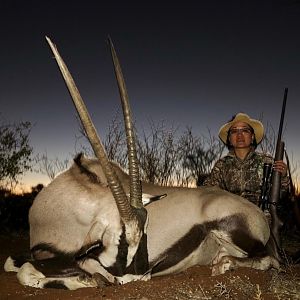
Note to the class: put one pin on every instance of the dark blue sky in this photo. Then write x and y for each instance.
(193, 65)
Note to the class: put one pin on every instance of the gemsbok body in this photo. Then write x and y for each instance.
(90, 226)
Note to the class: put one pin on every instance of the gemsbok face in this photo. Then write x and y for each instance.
(86, 231)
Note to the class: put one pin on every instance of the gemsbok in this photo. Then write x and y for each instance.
(90, 226)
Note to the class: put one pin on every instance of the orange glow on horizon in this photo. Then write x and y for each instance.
(26, 185)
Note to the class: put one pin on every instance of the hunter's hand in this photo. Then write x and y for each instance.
(280, 166)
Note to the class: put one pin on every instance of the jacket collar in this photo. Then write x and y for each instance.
(249, 155)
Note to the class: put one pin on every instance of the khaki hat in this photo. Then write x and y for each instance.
(241, 117)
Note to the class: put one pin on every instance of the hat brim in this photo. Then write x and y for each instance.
(255, 124)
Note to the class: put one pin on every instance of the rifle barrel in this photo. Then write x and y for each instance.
(282, 114)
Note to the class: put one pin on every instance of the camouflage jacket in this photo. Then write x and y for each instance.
(242, 177)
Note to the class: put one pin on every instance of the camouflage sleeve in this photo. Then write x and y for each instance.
(215, 177)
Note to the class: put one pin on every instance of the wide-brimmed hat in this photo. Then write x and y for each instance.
(241, 117)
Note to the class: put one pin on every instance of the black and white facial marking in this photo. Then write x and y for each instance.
(139, 264)
(59, 264)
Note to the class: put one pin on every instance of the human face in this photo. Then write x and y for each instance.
(241, 135)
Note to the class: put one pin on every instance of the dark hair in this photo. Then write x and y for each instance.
(253, 144)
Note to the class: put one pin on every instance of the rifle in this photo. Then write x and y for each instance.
(276, 223)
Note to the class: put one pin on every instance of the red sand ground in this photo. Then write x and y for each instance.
(195, 283)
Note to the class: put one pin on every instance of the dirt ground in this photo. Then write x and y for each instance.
(195, 283)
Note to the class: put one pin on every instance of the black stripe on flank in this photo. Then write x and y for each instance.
(183, 248)
(235, 226)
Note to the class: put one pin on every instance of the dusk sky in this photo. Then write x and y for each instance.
(190, 65)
